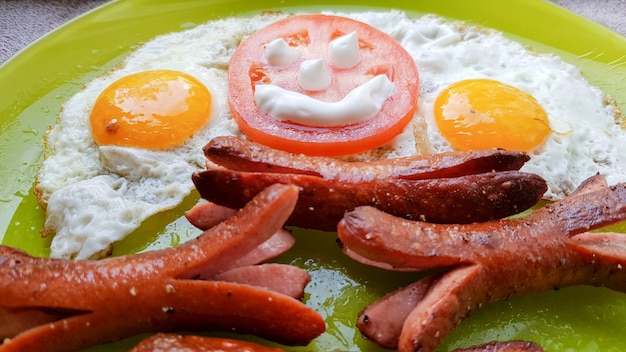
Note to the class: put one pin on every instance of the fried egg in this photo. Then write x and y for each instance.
(124, 147)
(480, 90)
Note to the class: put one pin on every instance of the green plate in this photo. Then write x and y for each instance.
(35, 83)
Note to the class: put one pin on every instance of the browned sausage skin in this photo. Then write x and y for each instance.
(243, 155)
(504, 346)
(460, 187)
(550, 248)
(174, 342)
(66, 305)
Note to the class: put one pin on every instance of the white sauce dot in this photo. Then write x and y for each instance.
(279, 53)
(313, 75)
(343, 52)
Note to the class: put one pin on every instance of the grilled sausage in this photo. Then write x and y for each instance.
(548, 249)
(461, 187)
(91, 302)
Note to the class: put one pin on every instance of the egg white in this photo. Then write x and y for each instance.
(98, 195)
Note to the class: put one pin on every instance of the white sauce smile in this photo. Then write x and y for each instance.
(362, 103)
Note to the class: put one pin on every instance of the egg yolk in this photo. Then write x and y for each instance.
(151, 109)
(484, 114)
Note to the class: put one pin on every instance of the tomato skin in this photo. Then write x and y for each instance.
(310, 34)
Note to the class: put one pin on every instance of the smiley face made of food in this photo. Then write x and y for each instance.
(322, 85)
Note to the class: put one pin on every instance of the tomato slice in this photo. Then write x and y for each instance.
(311, 35)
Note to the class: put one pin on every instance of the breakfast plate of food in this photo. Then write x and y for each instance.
(329, 176)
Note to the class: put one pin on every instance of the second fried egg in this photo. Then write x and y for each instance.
(481, 90)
